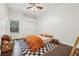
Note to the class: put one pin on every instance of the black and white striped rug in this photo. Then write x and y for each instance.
(26, 51)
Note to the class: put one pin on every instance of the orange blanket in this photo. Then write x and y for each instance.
(34, 42)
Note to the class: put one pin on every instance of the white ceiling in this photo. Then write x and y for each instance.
(48, 7)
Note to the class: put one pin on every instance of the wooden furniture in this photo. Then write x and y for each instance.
(6, 46)
(0, 49)
(9, 52)
(74, 50)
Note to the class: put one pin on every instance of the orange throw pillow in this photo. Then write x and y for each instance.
(34, 42)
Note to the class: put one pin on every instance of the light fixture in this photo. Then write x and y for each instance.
(35, 7)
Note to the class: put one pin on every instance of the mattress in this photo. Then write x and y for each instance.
(17, 50)
(26, 51)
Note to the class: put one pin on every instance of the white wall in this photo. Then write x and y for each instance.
(3, 19)
(27, 24)
(63, 23)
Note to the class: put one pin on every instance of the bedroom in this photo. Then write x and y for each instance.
(57, 19)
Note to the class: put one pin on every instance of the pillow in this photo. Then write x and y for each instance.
(46, 35)
(34, 42)
(45, 39)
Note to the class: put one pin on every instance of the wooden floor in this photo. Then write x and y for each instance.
(61, 50)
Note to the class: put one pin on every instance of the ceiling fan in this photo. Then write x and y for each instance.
(35, 6)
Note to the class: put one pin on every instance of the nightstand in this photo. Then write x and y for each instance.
(7, 45)
(7, 50)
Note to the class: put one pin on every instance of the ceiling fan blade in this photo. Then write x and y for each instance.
(33, 4)
(39, 7)
(29, 7)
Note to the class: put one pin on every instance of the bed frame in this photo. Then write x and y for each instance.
(74, 50)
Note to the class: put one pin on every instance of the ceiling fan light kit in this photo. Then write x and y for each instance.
(35, 7)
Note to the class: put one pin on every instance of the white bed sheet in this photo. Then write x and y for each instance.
(17, 50)
(45, 39)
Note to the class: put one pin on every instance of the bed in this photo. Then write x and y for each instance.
(21, 46)
(21, 49)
